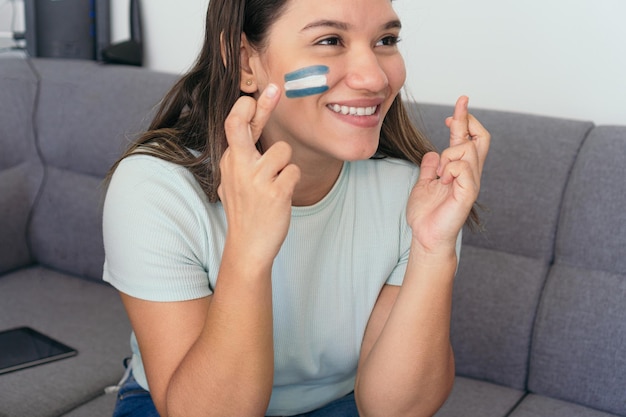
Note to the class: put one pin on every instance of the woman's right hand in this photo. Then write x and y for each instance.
(256, 189)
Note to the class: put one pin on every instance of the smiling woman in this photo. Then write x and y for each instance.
(278, 186)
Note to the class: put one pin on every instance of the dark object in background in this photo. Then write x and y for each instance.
(76, 29)
(24, 347)
(129, 52)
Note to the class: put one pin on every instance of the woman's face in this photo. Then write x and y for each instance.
(356, 40)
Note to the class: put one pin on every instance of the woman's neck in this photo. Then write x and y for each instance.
(316, 181)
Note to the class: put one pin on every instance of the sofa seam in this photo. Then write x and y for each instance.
(517, 403)
(86, 400)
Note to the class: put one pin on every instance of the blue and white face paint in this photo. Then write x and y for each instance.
(306, 81)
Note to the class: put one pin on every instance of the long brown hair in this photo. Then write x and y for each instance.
(191, 116)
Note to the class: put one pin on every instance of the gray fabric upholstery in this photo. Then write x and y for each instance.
(474, 398)
(538, 406)
(18, 186)
(538, 318)
(20, 170)
(494, 303)
(578, 350)
(19, 91)
(51, 195)
(85, 315)
(91, 112)
(593, 225)
(88, 115)
(66, 228)
(101, 406)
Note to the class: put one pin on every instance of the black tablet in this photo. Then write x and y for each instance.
(24, 347)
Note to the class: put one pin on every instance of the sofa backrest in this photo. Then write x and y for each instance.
(86, 116)
(20, 170)
(579, 346)
(502, 269)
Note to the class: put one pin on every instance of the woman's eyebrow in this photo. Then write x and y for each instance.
(326, 23)
(393, 24)
(335, 24)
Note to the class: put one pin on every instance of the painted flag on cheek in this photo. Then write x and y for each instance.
(306, 81)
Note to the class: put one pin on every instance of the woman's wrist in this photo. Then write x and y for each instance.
(434, 253)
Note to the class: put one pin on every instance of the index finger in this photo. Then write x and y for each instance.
(265, 106)
(246, 119)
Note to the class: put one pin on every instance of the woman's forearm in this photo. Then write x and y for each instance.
(410, 368)
(229, 370)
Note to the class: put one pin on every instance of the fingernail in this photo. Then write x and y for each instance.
(271, 90)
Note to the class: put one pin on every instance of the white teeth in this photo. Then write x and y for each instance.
(352, 111)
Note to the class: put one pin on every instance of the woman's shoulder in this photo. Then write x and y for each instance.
(144, 162)
(142, 178)
(145, 170)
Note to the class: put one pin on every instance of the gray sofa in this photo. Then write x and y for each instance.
(539, 315)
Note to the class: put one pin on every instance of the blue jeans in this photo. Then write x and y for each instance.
(134, 401)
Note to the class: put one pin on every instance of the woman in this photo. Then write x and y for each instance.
(274, 248)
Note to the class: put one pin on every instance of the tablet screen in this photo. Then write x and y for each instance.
(24, 347)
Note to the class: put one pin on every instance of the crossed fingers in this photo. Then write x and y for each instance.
(469, 144)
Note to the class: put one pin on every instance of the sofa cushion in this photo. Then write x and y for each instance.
(86, 115)
(593, 235)
(472, 398)
(85, 315)
(101, 406)
(66, 225)
(578, 347)
(494, 302)
(538, 406)
(89, 113)
(18, 85)
(18, 188)
(20, 170)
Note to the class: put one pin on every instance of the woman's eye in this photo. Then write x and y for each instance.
(332, 41)
(389, 41)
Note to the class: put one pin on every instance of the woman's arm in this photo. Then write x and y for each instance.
(211, 356)
(214, 356)
(407, 365)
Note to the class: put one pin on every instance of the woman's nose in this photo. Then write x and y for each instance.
(365, 71)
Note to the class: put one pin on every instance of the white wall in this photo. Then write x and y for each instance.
(555, 57)
(563, 58)
(173, 31)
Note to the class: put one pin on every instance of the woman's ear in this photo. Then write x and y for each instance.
(248, 82)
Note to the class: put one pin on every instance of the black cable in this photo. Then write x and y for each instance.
(44, 176)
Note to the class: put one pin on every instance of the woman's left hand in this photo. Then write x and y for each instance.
(449, 183)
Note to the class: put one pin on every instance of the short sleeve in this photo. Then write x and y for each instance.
(154, 238)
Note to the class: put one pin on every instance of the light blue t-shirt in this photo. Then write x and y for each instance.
(164, 242)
